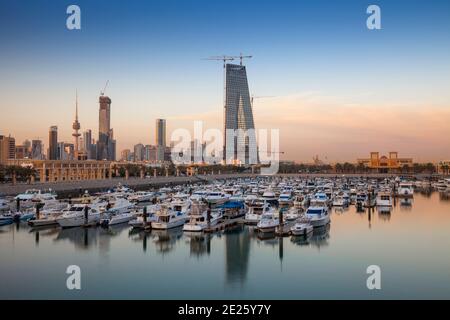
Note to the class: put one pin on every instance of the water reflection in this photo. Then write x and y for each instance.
(199, 243)
(237, 252)
(165, 240)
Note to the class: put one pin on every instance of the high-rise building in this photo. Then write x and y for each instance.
(160, 132)
(21, 152)
(76, 126)
(27, 145)
(37, 150)
(105, 145)
(66, 151)
(139, 152)
(87, 144)
(53, 143)
(239, 127)
(7, 148)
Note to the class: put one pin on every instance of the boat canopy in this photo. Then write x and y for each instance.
(232, 205)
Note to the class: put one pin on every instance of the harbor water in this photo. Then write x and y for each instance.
(411, 245)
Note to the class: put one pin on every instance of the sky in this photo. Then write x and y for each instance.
(333, 87)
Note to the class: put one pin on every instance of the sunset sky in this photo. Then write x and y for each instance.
(337, 89)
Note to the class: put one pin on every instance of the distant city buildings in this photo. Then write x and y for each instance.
(125, 155)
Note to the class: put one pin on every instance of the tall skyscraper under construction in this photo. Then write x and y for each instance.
(106, 145)
(239, 128)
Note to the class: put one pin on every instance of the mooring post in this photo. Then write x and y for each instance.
(18, 204)
(145, 216)
(38, 211)
(86, 215)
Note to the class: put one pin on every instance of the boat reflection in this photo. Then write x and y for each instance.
(318, 238)
(165, 240)
(199, 243)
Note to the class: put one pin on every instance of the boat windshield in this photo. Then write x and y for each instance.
(314, 211)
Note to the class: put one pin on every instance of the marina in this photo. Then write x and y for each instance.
(231, 233)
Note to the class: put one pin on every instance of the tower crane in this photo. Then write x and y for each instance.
(223, 58)
(102, 93)
(241, 57)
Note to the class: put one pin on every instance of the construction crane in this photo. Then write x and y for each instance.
(223, 58)
(102, 93)
(241, 57)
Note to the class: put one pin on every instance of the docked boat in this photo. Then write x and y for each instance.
(317, 216)
(405, 189)
(6, 219)
(285, 198)
(301, 229)
(292, 214)
(269, 222)
(217, 197)
(36, 195)
(255, 210)
(167, 218)
(199, 219)
(4, 206)
(384, 199)
(23, 215)
(114, 217)
(76, 216)
(141, 196)
(270, 197)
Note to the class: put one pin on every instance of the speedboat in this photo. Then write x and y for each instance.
(114, 217)
(320, 199)
(23, 215)
(75, 216)
(301, 229)
(36, 195)
(270, 197)
(317, 216)
(269, 221)
(292, 214)
(339, 201)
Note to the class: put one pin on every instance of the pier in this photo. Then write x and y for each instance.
(223, 225)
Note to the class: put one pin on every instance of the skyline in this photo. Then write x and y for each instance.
(339, 81)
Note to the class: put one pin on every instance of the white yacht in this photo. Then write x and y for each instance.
(217, 197)
(269, 221)
(270, 196)
(339, 201)
(405, 189)
(301, 229)
(4, 206)
(167, 218)
(317, 216)
(292, 214)
(114, 217)
(255, 209)
(141, 196)
(198, 219)
(75, 216)
(384, 199)
(320, 199)
(36, 195)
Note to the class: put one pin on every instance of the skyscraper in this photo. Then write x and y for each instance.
(53, 143)
(105, 143)
(239, 128)
(160, 132)
(87, 144)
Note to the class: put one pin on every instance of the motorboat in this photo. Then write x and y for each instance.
(320, 199)
(167, 218)
(75, 216)
(217, 197)
(23, 215)
(114, 217)
(6, 219)
(255, 209)
(269, 221)
(384, 199)
(200, 219)
(405, 189)
(301, 229)
(292, 214)
(36, 195)
(4, 206)
(270, 197)
(141, 196)
(339, 201)
(317, 216)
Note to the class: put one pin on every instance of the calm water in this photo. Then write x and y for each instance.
(411, 245)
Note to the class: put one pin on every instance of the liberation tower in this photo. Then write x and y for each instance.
(76, 126)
